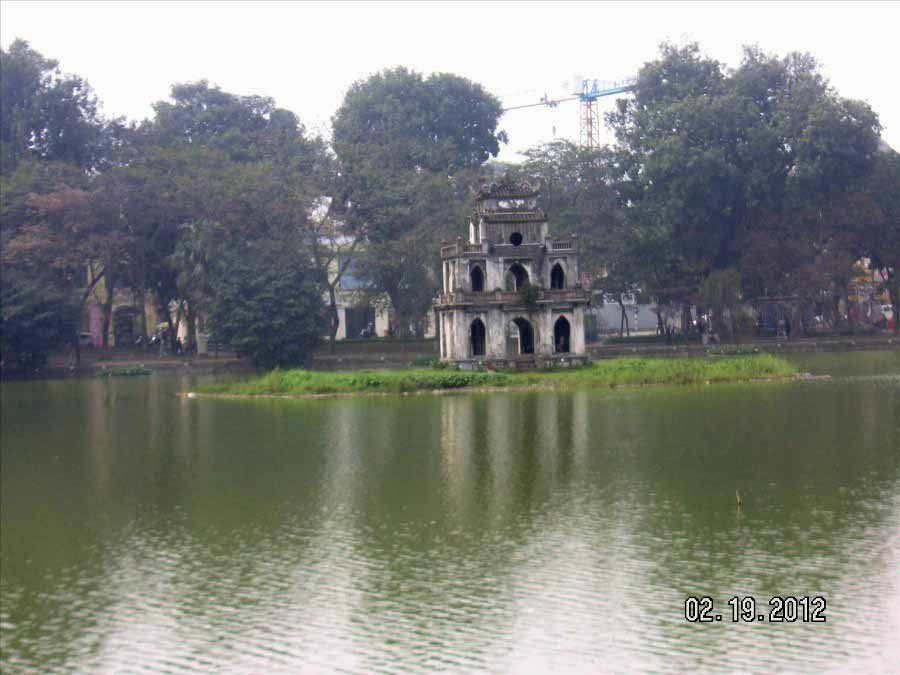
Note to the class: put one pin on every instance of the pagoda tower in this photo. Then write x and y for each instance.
(511, 295)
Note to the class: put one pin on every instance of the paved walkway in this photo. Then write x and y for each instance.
(94, 361)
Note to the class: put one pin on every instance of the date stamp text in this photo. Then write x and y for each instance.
(779, 609)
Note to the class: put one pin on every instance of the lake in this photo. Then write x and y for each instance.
(502, 532)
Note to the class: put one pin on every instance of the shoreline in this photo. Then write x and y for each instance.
(96, 363)
(174, 365)
(800, 377)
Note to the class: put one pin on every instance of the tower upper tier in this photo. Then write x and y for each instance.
(506, 212)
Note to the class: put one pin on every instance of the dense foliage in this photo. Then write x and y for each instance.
(410, 149)
(729, 185)
(35, 317)
(46, 114)
(722, 169)
(722, 186)
(267, 304)
(154, 207)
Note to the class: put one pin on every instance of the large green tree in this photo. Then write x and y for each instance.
(578, 193)
(239, 165)
(53, 143)
(711, 157)
(409, 149)
(36, 316)
(879, 229)
(46, 227)
(268, 302)
(46, 114)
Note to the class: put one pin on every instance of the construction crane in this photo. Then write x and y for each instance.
(589, 111)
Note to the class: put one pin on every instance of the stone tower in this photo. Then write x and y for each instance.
(511, 294)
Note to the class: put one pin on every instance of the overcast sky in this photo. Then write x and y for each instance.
(305, 55)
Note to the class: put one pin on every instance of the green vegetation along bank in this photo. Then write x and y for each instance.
(616, 372)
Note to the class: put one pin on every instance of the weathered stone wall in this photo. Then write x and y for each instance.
(503, 212)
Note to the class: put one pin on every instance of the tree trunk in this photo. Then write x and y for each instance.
(178, 314)
(335, 317)
(402, 326)
(394, 295)
(191, 325)
(894, 292)
(84, 297)
(107, 311)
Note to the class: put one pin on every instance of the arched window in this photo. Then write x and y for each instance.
(515, 238)
(557, 277)
(516, 278)
(520, 337)
(561, 336)
(477, 337)
(477, 279)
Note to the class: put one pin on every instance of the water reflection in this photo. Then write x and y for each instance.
(502, 532)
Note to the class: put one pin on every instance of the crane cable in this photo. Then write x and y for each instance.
(549, 103)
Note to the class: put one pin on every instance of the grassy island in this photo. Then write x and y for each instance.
(612, 373)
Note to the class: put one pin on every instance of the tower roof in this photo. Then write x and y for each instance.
(536, 216)
(506, 188)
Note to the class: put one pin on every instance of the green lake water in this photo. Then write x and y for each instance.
(512, 532)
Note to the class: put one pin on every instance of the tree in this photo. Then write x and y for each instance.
(247, 129)
(577, 190)
(409, 148)
(47, 231)
(238, 164)
(419, 211)
(37, 316)
(333, 253)
(45, 114)
(398, 118)
(268, 304)
(879, 233)
(52, 142)
(714, 157)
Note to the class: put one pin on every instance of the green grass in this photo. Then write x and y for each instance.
(615, 372)
(124, 372)
(626, 371)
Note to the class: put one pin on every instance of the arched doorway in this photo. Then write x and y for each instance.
(477, 337)
(519, 337)
(477, 279)
(557, 277)
(123, 326)
(516, 278)
(562, 336)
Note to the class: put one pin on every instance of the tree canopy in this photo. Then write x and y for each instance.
(750, 170)
(710, 154)
(409, 149)
(722, 185)
(45, 114)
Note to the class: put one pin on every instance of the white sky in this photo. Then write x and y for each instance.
(306, 55)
